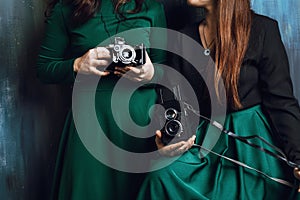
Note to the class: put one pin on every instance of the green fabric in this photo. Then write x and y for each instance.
(212, 177)
(63, 42)
(78, 174)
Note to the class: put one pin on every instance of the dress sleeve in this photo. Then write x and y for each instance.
(52, 63)
(158, 38)
(281, 106)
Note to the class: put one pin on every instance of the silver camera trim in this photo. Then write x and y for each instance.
(175, 112)
(180, 130)
(127, 60)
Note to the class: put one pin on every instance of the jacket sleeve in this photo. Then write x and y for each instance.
(281, 106)
(53, 66)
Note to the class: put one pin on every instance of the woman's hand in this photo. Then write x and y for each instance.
(173, 149)
(93, 62)
(143, 73)
(297, 175)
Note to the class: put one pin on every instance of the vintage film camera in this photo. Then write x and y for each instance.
(123, 54)
(175, 122)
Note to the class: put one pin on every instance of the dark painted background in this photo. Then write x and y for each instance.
(32, 114)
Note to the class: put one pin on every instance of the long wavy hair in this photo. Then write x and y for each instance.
(234, 18)
(85, 9)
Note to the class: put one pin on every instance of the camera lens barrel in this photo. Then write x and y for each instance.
(173, 128)
(127, 54)
(123, 54)
(171, 113)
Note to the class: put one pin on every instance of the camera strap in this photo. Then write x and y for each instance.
(247, 140)
(281, 181)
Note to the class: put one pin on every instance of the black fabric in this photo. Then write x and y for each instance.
(264, 79)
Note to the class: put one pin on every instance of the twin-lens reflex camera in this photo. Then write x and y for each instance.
(176, 121)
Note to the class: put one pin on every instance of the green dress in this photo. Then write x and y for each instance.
(210, 177)
(79, 175)
(270, 110)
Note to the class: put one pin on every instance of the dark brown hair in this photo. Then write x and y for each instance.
(85, 9)
(233, 32)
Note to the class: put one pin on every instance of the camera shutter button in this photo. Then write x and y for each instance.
(117, 48)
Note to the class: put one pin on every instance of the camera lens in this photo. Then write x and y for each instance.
(127, 53)
(173, 127)
(170, 114)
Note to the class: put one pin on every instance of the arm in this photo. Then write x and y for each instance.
(279, 102)
(52, 65)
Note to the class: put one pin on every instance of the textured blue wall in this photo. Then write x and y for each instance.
(287, 13)
(32, 114)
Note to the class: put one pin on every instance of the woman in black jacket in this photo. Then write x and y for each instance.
(252, 64)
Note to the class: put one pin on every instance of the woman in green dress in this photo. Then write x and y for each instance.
(252, 63)
(74, 51)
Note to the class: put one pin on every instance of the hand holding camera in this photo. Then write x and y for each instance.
(132, 62)
(93, 62)
(297, 173)
(178, 122)
(174, 149)
(144, 73)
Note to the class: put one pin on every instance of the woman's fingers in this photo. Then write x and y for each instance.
(297, 173)
(98, 72)
(191, 141)
(97, 59)
(137, 71)
(93, 61)
(101, 53)
(173, 149)
(132, 73)
(141, 73)
(99, 63)
(188, 144)
(122, 70)
(158, 141)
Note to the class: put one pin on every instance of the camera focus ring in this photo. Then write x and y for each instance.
(173, 127)
(171, 113)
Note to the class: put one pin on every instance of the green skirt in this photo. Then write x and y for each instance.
(213, 177)
(79, 175)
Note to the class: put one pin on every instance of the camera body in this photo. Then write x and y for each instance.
(175, 120)
(174, 128)
(123, 54)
